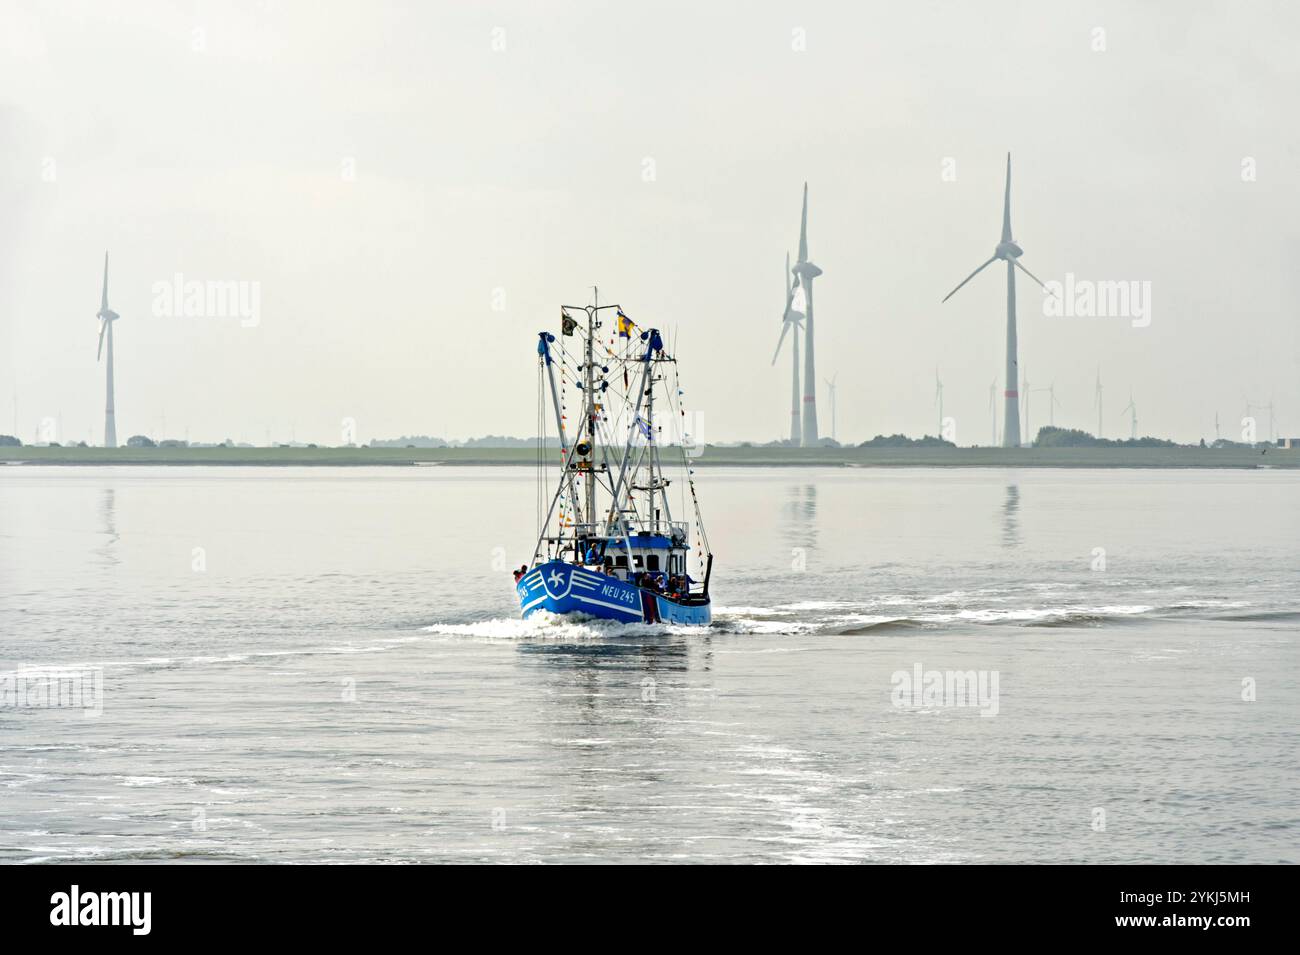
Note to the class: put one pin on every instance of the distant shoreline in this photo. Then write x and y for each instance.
(1157, 457)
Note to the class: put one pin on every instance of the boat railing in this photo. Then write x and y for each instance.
(678, 532)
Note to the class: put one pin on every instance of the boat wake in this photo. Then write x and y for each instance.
(544, 625)
(890, 613)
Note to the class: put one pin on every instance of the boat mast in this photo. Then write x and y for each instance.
(650, 458)
(663, 484)
(589, 391)
(654, 465)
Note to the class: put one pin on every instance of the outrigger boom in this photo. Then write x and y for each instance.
(628, 559)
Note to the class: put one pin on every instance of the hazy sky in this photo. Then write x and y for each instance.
(214, 140)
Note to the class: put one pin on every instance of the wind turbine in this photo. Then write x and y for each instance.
(993, 409)
(1096, 400)
(807, 272)
(106, 318)
(1133, 408)
(938, 397)
(830, 382)
(1052, 403)
(1008, 251)
(791, 321)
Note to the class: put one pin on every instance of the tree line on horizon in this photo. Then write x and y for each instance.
(1048, 436)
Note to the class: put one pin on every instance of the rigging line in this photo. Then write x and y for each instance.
(606, 442)
(625, 404)
(541, 444)
(636, 469)
(543, 450)
(545, 522)
(690, 479)
(574, 514)
(679, 424)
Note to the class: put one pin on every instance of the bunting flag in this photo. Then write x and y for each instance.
(567, 324)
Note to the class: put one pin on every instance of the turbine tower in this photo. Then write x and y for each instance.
(1133, 433)
(790, 321)
(106, 318)
(1009, 252)
(938, 397)
(1096, 400)
(830, 383)
(1052, 403)
(806, 272)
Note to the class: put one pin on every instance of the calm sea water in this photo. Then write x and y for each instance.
(327, 665)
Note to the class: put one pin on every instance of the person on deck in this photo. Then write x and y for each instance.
(593, 556)
(523, 569)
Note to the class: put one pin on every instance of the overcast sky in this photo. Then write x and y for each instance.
(380, 169)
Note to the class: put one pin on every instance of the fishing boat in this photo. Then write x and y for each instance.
(613, 541)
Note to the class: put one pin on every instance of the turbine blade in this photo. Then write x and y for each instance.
(1006, 205)
(103, 301)
(793, 314)
(1035, 278)
(785, 327)
(103, 326)
(789, 291)
(969, 277)
(803, 227)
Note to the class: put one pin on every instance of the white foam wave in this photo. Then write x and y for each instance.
(544, 625)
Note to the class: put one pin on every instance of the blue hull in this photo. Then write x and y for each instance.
(560, 588)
